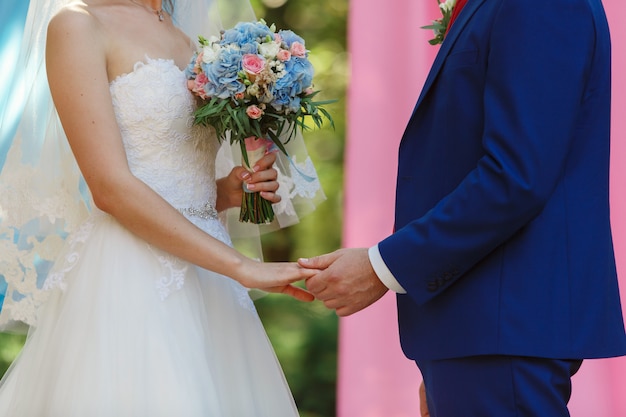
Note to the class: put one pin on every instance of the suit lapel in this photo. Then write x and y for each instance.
(446, 46)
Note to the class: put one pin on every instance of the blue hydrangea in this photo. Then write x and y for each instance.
(289, 37)
(301, 73)
(250, 48)
(246, 33)
(222, 73)
(283, 98)
(189, 70)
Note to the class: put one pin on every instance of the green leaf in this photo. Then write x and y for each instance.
(277, 141)
(244, 152)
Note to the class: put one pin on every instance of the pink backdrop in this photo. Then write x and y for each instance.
(375, 380)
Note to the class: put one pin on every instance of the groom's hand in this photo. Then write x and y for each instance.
(347, 282)
(423, 404)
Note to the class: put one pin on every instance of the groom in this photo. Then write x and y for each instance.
(502, 255)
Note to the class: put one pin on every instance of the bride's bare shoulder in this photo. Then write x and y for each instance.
(75, 38)
(76, 18)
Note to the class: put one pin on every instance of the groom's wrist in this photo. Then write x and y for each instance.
(382, 271)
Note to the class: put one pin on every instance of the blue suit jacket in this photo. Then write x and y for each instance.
(503, 240)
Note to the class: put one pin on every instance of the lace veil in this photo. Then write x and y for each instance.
(42, 195)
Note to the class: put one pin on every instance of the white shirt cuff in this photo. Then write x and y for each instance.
(384, 274)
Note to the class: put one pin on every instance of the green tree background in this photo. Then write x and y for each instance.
(304, 335)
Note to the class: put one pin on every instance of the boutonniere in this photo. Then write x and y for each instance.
(440, 26)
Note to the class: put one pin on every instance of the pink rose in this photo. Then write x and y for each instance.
(201, 79)
(297, 49)
(308, 91)
(239, 96)
(199, 83)
(283, 55)
(254, 112)
(252, 63)
(197, 68)
(278, 39)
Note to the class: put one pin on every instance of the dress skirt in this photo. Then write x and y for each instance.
(129, 331)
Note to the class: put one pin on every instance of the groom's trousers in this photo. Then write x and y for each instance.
(498, 386)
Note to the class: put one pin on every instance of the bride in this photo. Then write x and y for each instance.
(145, 310)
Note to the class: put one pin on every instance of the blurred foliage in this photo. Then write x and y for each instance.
(10, 345)
(304, 335)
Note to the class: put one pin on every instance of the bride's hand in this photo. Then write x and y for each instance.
(263, 180)
(298, 293)
(278, 277)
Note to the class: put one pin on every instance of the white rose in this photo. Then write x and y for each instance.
(269, 49)
(447, 5)
(210, 53)
(253, 90)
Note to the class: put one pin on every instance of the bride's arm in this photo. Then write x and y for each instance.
(77, 72)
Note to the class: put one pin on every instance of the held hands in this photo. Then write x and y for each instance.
(344, 280)
(263, 180)
(346, 283)
(276, 277)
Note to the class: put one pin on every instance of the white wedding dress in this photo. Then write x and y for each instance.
(131, 331)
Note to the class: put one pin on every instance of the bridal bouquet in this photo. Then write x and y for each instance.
(257, 89)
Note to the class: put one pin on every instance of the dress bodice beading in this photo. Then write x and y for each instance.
(154, 111)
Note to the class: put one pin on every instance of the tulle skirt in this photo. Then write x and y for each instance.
(109, 345)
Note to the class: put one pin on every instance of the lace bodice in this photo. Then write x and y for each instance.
(154, 110)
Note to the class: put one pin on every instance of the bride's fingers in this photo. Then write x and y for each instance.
(298, 293)
(264, 181)
(265, 162)
(306, 273)
(270, 185)
(271, 197)
(265, 175)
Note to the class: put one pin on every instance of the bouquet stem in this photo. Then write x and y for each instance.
(254, 208)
